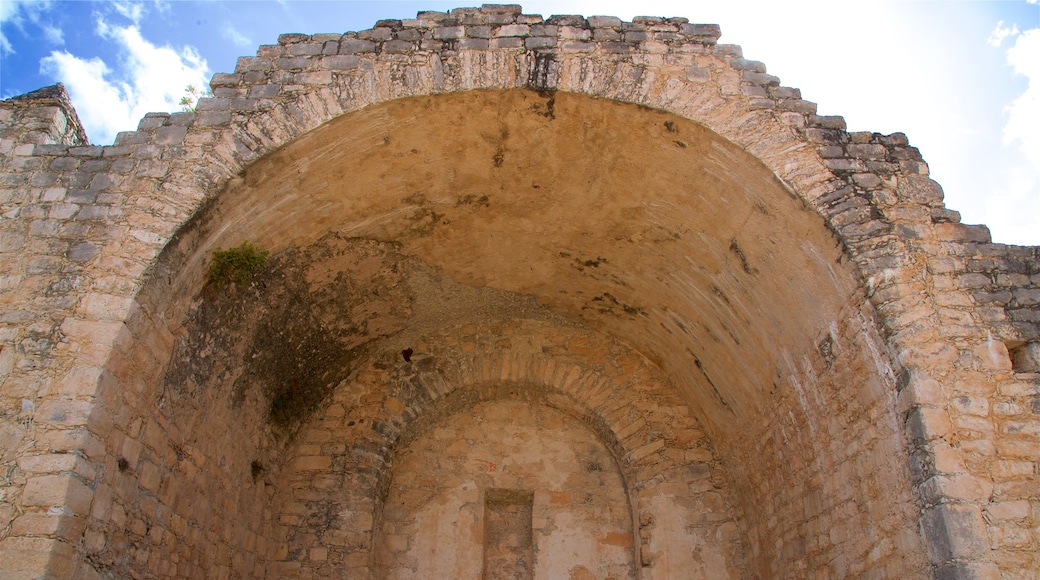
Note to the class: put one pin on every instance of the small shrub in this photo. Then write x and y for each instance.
(191, 98)
(236, 265)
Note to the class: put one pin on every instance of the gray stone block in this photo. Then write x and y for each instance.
(539, 42)
(604, 21)
(953, 531)
(354, 45)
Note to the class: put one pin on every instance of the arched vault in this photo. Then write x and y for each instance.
(552, 261)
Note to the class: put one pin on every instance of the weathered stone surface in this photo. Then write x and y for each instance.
(954, 532)
(631, 238)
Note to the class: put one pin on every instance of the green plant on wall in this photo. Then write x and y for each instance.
(191, 97)
(236, 265)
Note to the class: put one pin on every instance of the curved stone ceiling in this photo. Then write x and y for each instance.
(632, 221)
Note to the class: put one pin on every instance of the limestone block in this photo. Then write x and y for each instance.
(60, 491)
(57, 463)
(1009, 510)
(60, 526)
(927, 424)
(953, 531)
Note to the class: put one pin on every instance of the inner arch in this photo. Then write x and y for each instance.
(506, 484)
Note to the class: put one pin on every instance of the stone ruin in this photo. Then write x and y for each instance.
(553, 297)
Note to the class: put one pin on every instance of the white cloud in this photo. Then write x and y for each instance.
(11, 10)
(1000, 32)
(1013, 204)
(149, 78)
(1016, 195)
(131, 10)
(236, 37)
(53, 34)
(1023, 114)
(16, 11)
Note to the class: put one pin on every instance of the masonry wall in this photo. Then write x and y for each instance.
(115, 439)
(675, 506)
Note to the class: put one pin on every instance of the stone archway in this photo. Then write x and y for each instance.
(655, 189)
(401, 218)
(680, 515)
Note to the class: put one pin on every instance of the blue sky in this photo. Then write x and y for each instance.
(960, 78)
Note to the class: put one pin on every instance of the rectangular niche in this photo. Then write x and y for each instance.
(508, 536)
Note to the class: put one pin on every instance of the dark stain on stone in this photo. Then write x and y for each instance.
(735, 248)
(714, 389)
(471, 199)
(606, 303)
(541, 72)
(416, 198)
(826, 348)
(295, 332)
(720, 294)
(580, 264)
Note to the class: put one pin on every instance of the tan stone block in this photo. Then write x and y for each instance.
(80, 382)
(1018, 448)
(58, 491)
(106, 307)
(92, 331)
(27, 558)
(928, 424)
(155, 438)
(972, 423)
(396, 543)
(983, 447)
(94, 541)
(64, 414)
(993, 354)
(312, 463)
(1009, 537)
(149, 476)
(66, 440)
(677, 488)
(1017, 389)
(1020, 427)
(956, 486)
(971, 405)
(1008, 469)
(57, 463)
(1009, 510)
(131, 451)
(922, 390)
(304, 450)
(946, 458)
(1007, 409)
(53, 525)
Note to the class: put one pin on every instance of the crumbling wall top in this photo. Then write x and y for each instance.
(43, 116)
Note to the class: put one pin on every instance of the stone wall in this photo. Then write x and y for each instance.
(800, 290)
(663, 466)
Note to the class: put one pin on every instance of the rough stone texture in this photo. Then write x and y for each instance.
(519, 489)
(799, 361)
